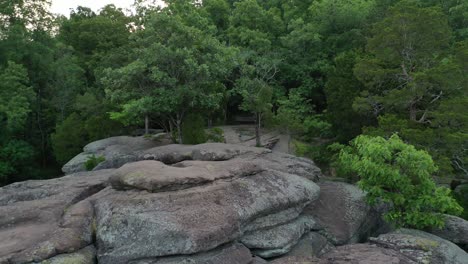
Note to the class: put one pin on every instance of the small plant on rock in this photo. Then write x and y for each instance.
(394, 172)
(93, 161)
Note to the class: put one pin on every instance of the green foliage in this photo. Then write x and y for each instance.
(193, 129)
(407, 68)
(15, 96)
(327, 68)
(341, 90)
(215, 134)
(292, 112)
(69, 138)
(394, 172)
(15, 160)
(93, 161)
(461, 194)
(314, 126)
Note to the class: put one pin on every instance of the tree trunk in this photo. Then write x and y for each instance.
(146, 125)
(412, 112)
(257, 131)
(171, 130)
(179, 130)
(210, 122)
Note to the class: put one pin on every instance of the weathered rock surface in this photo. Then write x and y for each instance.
(455, 230)
(86, 255)
(296, 260)
(117, 153)
(422, 247)
(209, 203)
(278, 240)
(365, 254)
(194, 219)
(174, 204)
(311, 245)
(343, 213)
(116, 150)
(40, 219)
(230, 254)
(155, 176)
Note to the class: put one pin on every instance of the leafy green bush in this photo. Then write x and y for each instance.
(69, 138)
(321, 154)
(314, 126)
(93, 161)
(394, 172)
(215, 134)
(15, 159)
(193, 129)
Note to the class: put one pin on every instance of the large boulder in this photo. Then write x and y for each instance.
(40, 219)
(278, 240)
(422, 247)
(455, 230)
(171, 204)
(155, 176)
(116, 151)
(343, 213)
(196, 217)
(121, 150)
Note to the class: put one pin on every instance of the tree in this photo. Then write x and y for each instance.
(69, 138)
(15, 105)
(341, 89)
(254, 85)
(15, 96)
(176, 68)
(68, 81)
(407, 69)
(291, 114)
(394, 172)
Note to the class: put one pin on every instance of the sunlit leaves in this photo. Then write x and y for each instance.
(394, 172)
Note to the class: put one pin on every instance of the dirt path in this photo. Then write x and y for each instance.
(230, 135)
(282, 144)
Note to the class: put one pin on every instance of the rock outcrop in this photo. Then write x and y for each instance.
(41, 219)
(196, 218)
(116, 151)
(210, 203)
(172, 204)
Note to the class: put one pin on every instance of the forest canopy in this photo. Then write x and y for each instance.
(326, 71)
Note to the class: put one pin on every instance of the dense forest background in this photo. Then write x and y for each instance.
(324, 71)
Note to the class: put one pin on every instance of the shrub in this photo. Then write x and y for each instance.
(69, 138)
(314, 126)
(394, 172)
(215, 134)
(93, 161)
(193, 129)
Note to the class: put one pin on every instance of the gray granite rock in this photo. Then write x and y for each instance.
(343, 213)
(422, 247)
(455, 230)
(196, 219)
(278, 240)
